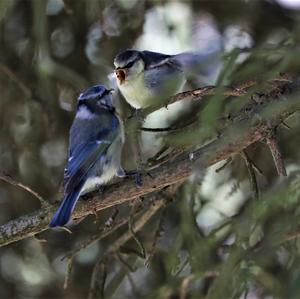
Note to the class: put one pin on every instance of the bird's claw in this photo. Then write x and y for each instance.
(137, 177)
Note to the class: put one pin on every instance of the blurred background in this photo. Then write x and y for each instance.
(50, 50)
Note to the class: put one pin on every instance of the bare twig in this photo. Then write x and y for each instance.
(108, 230)
(236, 91)
(139, 224)
(98, 280)
(251, 172)
(96, 237)
(159, 130)
(136, 238)
(125, 263)
(11, 75)
(272, 142)
(157, 236)
(117, 279)
(185, 285)
(227, 162)
(9, 179)
(68, 274)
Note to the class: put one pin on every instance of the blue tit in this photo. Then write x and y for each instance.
(95, 145)
(147, 78)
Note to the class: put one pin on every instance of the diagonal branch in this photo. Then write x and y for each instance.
(10, 180)
(244, 129)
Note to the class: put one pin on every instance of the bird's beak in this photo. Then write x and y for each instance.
(121, 74)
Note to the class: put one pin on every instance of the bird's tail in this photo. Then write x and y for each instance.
(63, 214)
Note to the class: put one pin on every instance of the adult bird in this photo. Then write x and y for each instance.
(147, 78)
(95, 145)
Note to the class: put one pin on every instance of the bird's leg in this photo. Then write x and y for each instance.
(100, 188)
(133, 131)
(137, 145)
(137, 176)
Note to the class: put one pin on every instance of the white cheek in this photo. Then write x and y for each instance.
(84, 113)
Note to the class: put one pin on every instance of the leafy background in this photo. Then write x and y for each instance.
(49, 52)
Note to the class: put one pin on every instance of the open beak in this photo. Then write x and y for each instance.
(121, 74)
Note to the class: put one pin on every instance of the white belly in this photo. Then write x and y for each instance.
(109, 170)
(139, 96)
(93, 183)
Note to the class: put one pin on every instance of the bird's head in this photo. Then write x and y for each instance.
(97, 96)
(128, 64)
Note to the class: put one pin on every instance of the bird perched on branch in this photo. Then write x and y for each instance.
(95, 144)
(147, 78)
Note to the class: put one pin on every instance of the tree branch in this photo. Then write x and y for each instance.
(244, 128)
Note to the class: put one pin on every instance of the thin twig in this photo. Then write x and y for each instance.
(273, 145)
(118, 278)
(158, 234)
(133, 286)
(96, 237)
(125, 263)
(68, 274)
(9, 179)
(227, 162)
(135, 237)
(139, 224)
(159, 130)
(98, 280)
(11, 75)
(185, 286)
(251, 172)
(236, 91)
(107, 231)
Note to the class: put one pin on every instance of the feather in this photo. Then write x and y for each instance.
(63, 214)
(85, 151)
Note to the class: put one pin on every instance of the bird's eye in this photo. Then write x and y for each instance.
(129, 64)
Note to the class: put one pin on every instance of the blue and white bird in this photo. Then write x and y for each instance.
(95, 145)
(146, 78)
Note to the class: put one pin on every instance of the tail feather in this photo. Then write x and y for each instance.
(63, 214)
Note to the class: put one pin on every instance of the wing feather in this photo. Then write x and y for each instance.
(87, 145)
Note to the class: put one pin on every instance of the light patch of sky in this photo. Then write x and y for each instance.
(292, 4)
(88, 255)
(92, 49)
(127, 4)
(53, 153)
(221, 202)
(54, 7)
(236, 37)
(167, 29)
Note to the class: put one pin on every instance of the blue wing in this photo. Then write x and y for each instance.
(63, 214)
(85, 151)
(153, 58)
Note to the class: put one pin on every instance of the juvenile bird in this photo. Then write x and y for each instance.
(95, 144)
(146, 78)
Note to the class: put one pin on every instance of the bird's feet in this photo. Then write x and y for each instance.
(137, 176)
(100, 188)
